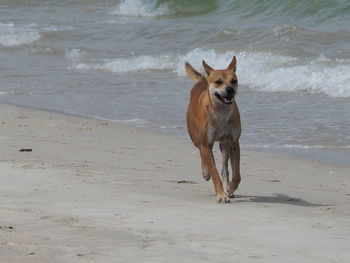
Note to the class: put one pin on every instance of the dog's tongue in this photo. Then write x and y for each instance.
(227, 100)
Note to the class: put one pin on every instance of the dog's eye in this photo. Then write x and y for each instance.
(219, 81)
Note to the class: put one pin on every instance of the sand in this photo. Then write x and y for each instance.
(95, 191)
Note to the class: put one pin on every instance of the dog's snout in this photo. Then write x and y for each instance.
(230, 90)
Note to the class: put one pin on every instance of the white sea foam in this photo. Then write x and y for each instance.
(271, 72)
(52, 28)
(283, 30)
(137, 122)
(329, 147)
(262, 71)
(140, 8)
(74, 54)
(298, 146)
(123, 65)
(11, 36)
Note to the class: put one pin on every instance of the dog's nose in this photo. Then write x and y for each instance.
(230, 90)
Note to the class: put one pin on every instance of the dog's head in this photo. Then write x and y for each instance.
(223, 84)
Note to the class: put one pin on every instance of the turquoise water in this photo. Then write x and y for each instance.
(123, 61)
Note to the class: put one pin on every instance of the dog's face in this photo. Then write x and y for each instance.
(223, 84)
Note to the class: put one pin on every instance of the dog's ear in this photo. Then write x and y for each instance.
(233, 64)
(192, 73)
(207, 68)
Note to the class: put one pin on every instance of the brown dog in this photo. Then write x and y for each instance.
(213, 115)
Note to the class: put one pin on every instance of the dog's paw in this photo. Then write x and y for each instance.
(222, 198)
(206, 174)
(229, 192)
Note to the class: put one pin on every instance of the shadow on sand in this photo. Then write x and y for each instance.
(276, 198)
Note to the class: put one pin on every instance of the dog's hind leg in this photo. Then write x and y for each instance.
(235, 159)
(225, 151)
(205, 171)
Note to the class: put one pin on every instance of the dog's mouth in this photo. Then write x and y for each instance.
(228, 99)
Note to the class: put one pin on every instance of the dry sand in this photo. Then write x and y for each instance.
(93, 191)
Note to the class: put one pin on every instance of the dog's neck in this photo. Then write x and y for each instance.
(220, 112)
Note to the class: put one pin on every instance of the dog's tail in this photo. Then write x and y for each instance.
(192, 73)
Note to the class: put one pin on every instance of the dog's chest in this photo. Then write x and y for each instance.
(220, 126)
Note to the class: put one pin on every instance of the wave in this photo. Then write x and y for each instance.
(306, 10)
(140, 8)
(124, 65)
(75, 54)
(12, 35)
(307, 13)
(262, 71)
(154, 8)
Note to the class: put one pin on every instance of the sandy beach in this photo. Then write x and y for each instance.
(94, 191)
(77, 189)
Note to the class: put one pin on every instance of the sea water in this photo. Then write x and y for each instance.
(124, 61)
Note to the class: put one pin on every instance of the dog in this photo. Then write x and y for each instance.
(213, 115)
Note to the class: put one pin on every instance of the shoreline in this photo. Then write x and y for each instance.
(95, 191)
(336, 157)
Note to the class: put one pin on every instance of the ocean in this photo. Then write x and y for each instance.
(123, 61)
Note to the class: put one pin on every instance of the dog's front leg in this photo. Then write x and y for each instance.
(235, 159)
(225, 151)
(209, 162)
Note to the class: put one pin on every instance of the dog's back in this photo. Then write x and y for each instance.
(193, 113)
